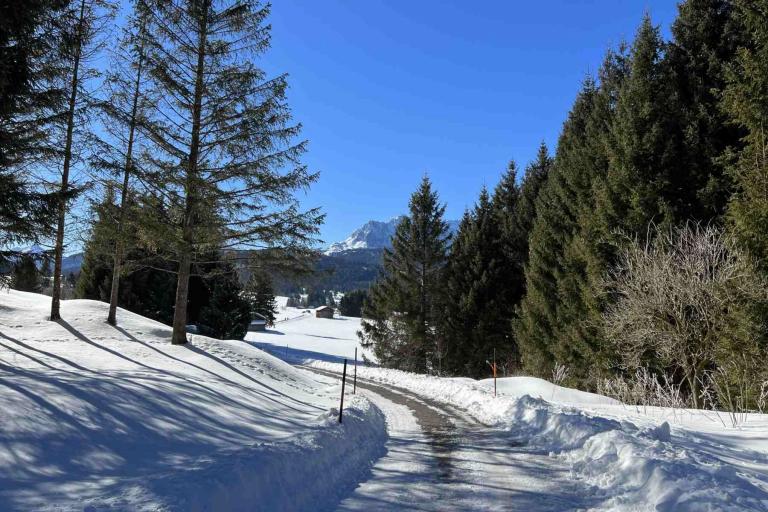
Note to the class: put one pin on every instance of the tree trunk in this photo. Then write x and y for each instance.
(59, 247)
(119, 243)
(185, 258)
(180, 310)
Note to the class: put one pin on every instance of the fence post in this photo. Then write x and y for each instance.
(494, 372)
(343, 381)
(354, 379)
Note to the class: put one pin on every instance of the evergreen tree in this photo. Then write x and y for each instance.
(31, 61)
(228, 313)
(705, 38)
(225, 158)
(539, 323)
(88, 21)
(746, 101)
(476, 310)
(25, 277)
(351, 304)
(96, 271)
(260, 294)
(401, 318)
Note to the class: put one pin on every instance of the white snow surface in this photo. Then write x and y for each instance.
(299, 337)
(628, 458)
(102, 418)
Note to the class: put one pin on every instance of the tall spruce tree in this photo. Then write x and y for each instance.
(476, 309)
(226, 165)
(746, 101)
(31, 95)
(706, 35)
(539, 324)
(89, 21)
(402, 315)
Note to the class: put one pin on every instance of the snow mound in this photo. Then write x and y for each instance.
(626, 467)
(311, 471)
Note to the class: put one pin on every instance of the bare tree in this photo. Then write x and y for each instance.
(682, 301)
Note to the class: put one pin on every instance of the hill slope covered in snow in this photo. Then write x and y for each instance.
(101, 417)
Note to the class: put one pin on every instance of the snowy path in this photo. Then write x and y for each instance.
(439, 459)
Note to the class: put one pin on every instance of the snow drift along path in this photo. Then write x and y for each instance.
(620, 464)
(440, 459)
(102, 418)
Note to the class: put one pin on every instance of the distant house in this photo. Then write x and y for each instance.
(258, 323)
(324, 312)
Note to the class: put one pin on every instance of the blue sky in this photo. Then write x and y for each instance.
(389, 90)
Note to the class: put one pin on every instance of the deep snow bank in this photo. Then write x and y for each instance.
(628, 466)
(310, 471)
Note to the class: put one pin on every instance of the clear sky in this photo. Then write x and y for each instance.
(390, 89)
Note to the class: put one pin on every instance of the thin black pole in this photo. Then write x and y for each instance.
(343, 381)
(494, 371)
(354, 379)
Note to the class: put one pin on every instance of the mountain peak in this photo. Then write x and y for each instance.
(374, 234)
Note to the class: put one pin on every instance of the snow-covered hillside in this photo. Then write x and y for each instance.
(96, 417)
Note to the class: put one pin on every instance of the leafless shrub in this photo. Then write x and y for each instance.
(681, 298)
(559, 374)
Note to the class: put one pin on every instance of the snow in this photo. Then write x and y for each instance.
(102, 418)
(299, 337)
(626, 457)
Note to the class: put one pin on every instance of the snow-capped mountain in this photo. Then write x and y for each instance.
(374, 234)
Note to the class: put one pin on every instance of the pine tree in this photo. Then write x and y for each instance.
(746, 101)
(225, 160)
(88, 20)
(25, 277)
(31, 95)
(228, 313)
(260, 294)
(539, 324)
(476, 312)
(705, 38)
(401, 318)
(95, 276)
(351, 304)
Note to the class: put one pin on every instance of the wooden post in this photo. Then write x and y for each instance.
(354, 379)
(494, 372)
(343, 381)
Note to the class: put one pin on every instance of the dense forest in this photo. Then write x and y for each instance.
(631, 261)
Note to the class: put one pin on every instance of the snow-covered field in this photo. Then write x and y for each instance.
(299, 337)
(95, 417)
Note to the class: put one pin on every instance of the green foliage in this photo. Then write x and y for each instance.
(401, 318)
(746, 101)
(476, 313)
(351, 304)
(228, 313)
(260, 295)
(25, 276)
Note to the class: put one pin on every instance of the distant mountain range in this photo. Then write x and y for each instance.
(374, 234)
